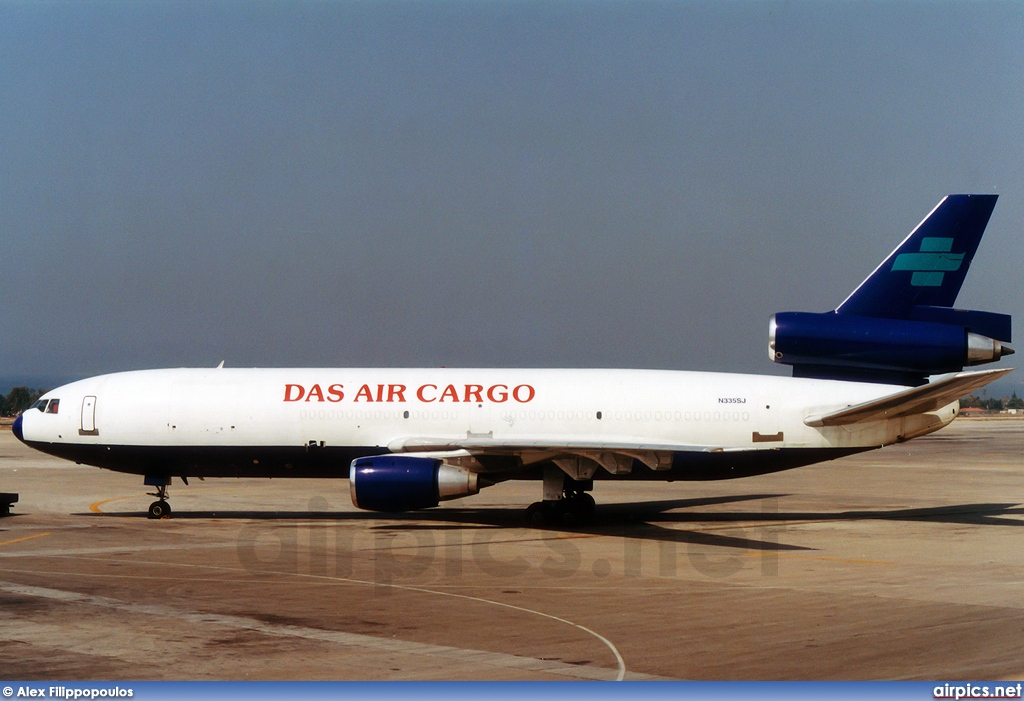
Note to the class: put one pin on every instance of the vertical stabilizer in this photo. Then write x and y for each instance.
(929, 267)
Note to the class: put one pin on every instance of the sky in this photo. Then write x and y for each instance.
(551, 184)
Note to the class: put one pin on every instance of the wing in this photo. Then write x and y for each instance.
(917, 400)
(615, 457)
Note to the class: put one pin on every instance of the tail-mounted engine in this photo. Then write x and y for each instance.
(900, 351)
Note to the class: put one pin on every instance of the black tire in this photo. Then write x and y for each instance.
(570, 515)
(586, 504)
(535, 513)
(159, 509)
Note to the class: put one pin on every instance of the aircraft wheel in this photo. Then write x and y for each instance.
(535, 513)
(586, 504)
(571, 515)
(159, 509)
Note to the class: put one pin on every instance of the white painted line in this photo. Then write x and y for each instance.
(110, 550)
(338, 637)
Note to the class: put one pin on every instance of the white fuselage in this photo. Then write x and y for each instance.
(400, 409)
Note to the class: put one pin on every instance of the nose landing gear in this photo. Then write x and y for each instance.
(159, 508)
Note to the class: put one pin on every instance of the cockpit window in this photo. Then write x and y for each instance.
(40, 405)
(54, 405)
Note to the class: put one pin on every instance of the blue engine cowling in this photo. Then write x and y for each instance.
(841, 346)
(405, 483)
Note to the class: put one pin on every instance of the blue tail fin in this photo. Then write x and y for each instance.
(929, 267)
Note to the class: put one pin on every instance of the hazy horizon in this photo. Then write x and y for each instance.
(616, 184)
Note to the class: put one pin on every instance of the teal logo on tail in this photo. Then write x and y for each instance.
(931, 264)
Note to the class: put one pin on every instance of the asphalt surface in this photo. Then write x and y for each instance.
(902, 563)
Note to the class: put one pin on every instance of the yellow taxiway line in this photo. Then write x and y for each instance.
(95, 508)
(21, 540)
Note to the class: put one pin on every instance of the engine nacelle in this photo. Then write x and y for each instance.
(866, 348)
(405, 483)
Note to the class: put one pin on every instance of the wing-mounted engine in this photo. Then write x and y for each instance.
(899, 325)
(407, 483)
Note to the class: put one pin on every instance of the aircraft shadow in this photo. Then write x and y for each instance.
(651, 521)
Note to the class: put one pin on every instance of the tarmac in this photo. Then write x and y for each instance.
(901, 563)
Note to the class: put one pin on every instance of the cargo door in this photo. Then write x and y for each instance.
(769, 430)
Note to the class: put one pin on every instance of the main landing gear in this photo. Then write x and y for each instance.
(159, 508)
(565, 500)
(570, 510)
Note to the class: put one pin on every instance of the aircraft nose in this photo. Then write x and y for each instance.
(16, 429)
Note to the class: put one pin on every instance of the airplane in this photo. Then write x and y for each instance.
(884, 366)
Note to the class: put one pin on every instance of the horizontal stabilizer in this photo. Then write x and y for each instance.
(918, 400)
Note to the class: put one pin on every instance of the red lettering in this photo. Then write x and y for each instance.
(515, 393)
(501, 397)
(396, 393)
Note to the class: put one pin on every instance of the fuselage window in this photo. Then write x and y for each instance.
(40, 405)
(54, 405)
